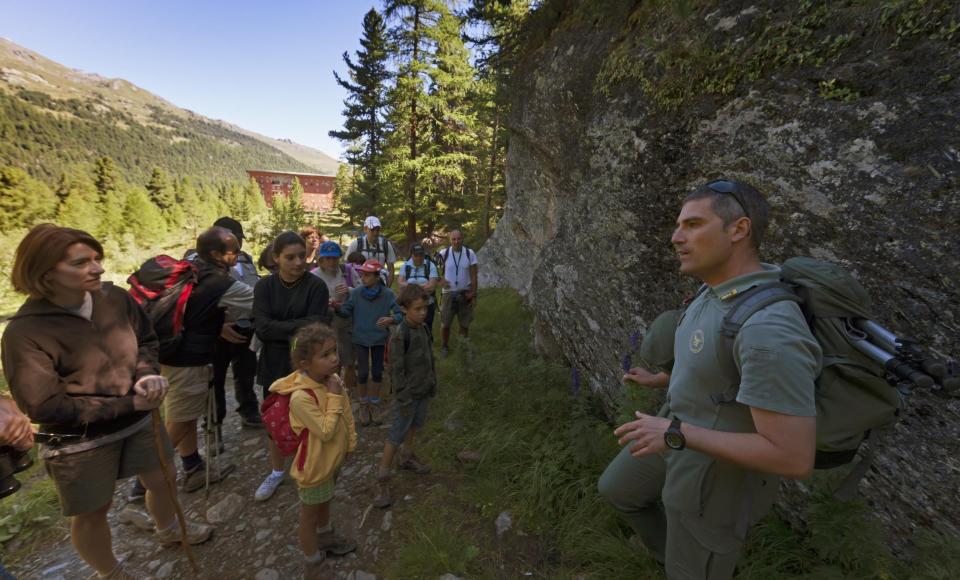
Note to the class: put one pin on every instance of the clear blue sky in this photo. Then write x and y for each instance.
(265, 66)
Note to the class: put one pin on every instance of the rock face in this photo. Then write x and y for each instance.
(858, 155)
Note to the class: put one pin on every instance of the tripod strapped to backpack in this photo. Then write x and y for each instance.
(907, 363)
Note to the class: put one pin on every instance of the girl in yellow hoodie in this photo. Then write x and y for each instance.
(320, 405)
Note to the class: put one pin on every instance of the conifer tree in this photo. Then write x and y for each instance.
(106, 179)
(296, 215)
(451, 154)
(24, 201)
(78, 201)
(142, 218)
(160, 190)
(408, 109)
(278, 215)
(364, 126)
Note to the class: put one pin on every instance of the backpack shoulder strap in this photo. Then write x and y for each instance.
(745, 305)
(406, 338)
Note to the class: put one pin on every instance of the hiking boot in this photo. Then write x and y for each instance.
(363, 414)
(376, 414)
(136, 518)
(268, 487)
(197, 533)
(137, 493)
(383, 499)
(413, 464)
(335, 544)
(196, 478)
(251, 421)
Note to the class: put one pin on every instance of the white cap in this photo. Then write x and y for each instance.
(371, 222)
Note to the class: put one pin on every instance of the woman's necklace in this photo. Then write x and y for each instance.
(289, 284)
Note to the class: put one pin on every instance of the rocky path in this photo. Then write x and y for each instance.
(252, 540)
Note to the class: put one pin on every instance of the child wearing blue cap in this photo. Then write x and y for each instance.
(338, 281)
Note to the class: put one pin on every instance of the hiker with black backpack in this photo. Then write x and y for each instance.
(716, 451)
(80, 357)
(189, 364)
(422, 271)
(459, 294)
(373, 246)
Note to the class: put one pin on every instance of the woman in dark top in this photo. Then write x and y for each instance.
(282, 303)
(80, 357)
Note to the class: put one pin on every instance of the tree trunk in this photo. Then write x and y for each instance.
(412, 175)
(491, 174)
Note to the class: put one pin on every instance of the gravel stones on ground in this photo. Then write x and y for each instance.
(226, 509)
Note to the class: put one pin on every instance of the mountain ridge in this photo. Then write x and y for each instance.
(23, 70)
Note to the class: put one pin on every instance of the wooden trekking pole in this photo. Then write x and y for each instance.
(172, 487)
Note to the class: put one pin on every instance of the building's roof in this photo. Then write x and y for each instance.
(282, 172)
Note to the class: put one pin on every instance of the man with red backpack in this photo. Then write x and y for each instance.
(189, 366)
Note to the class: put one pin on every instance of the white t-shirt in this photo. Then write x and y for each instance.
(456, 268)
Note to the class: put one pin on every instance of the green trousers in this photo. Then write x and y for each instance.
(690, 547)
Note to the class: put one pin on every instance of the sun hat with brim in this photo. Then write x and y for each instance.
(371, 266)
(657, 346)
(330, 250)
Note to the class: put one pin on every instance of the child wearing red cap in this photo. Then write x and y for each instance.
(374, 308)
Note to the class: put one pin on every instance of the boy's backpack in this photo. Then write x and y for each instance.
(275, 411)
(162, 286)
(854, 400)
(402, 327)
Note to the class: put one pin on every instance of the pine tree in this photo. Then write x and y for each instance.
(364, 126)
(142, 218)
(451, 155)
(408, 108)
(160, 190)
(296, 214)
(106, 179)
(78, 206)
(24, 201)
(278, 215)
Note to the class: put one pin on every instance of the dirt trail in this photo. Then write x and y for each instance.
(259, 541)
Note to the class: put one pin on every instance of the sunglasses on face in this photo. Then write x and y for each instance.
(731, 188)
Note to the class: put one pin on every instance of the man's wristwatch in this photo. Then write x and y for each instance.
(674, 437)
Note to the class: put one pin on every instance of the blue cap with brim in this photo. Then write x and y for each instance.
(330, 250)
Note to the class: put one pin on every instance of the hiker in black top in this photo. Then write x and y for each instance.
(189, 368)
(373, 246)
(284, 302)
(233, 346)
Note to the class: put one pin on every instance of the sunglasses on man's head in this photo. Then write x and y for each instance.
(730, 188)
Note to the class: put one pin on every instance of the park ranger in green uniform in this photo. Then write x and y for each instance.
(734, 423)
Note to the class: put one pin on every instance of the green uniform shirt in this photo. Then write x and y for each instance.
(777, 359)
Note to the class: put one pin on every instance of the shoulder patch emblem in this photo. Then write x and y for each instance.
(696, 341)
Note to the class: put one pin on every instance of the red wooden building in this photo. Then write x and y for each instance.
(317, 188)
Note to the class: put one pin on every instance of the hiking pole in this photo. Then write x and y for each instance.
(172, 488)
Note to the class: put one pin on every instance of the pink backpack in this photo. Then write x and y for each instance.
(275, 410)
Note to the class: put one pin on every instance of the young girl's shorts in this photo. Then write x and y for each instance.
(317, 494)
